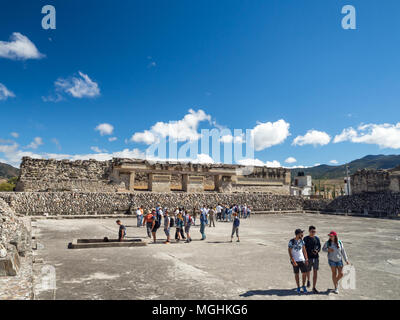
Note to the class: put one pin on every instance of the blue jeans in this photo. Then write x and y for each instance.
(139, 220)
(202, 229)
(335, 263)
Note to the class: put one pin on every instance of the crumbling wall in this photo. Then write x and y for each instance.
(368, 180)
(53, 175)
(15, 238)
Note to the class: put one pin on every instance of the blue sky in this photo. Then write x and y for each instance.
(245, 64)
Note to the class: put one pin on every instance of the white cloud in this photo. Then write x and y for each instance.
(290, 160)
(334, 162)
(180, 130)
(268, 134)
(313, 137)
(35, 143)
(78, 86)
(112, 139)
(97, 149)
(19, 48)
(384, 135)
(105, 129)
(258, 162)
(317, 164)
(5, 93)
(15, 134)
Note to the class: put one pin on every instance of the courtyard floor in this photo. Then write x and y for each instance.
(256, 268)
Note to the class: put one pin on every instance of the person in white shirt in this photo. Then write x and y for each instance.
(139, 217)
(298, 258)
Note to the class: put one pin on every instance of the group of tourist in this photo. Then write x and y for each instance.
(303, 251)
(304, 257)
(182, 220)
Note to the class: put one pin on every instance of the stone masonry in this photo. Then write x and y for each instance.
(131, 175)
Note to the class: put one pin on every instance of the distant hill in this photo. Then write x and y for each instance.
(337, 172)
(7, 171)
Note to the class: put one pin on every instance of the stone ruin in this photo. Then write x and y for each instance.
(15, 240)
(368, 180)
(133, 175)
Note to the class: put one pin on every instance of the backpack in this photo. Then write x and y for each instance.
(171, 222)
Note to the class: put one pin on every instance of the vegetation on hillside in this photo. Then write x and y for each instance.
(9, 185)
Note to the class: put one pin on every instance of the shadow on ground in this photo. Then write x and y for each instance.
(279, 293)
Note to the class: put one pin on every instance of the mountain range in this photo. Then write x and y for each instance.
(337, 172)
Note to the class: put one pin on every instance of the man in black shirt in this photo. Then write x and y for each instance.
(121, 231)
(313, 246)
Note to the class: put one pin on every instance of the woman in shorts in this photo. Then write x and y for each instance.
(336, 255)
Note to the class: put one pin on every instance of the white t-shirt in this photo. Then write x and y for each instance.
(138, 212)
(219, 208)
(297, 249)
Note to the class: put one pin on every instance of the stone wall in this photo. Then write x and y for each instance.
(14, 237)
(78, 203)
(53, 175)
(368, 180)
(378, 203)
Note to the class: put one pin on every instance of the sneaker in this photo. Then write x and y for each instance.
(298, 290)
(308, 284)
(314, 290)
(304, 289)
(166, 242)
(336, 291)
(238, 240)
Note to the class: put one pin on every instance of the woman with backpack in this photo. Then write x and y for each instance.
(336, 255)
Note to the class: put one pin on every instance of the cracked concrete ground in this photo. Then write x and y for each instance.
(256, 268)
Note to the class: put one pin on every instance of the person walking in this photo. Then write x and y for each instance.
(298, 258)
(156, 224)
(336, 255)
(139, 217)
(211, 215)
(313, 247)
(203, 223)
(179, 228)
(188, 223)
(235, 227)
(167, 226)
(148, 219)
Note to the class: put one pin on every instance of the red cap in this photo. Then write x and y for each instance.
(332, 233)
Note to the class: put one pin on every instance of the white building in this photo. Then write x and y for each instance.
(302, 185)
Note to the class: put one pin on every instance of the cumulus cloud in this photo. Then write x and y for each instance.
(5, 93)
(384, 135)
(112, 139)
(35, 143)
(19, 48)
(258, 162)
(180, 130)
(105, 129)
(290, 160)
(268, 134)
(313, 137)
(80, 86)
(334, 162)
(15, 134)
(97, 149)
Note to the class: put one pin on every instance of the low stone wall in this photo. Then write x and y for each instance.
(385, 203)
(78, 203)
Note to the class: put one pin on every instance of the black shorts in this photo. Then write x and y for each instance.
(155, 228)
(313, 263)
(301, 265)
